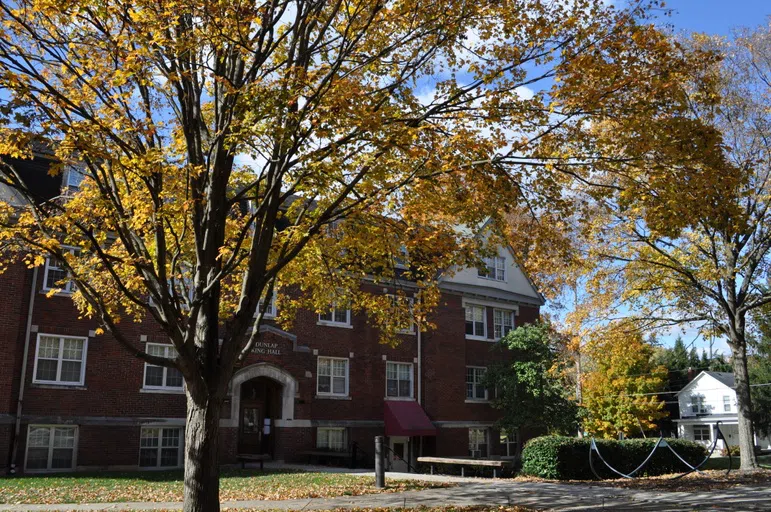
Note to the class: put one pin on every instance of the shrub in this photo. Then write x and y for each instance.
(567, 458)
(736, 452)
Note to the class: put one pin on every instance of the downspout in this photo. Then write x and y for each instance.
(23, 378)
(420, 361)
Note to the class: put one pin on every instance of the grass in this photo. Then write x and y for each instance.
(722, 462)
(166, 486)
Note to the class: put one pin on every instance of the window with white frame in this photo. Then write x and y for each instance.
(726, 403)
(510, 442)
(332, 439)
(401, 304)
(477, 442)
(702, 433)
(51, 447)
(475, 390)
(160, 447)
(476, 321)
(398, 380)
(60, 360)
(270, 308)
(332, 376)
(55, 276)
(495, 268)
(336, 316)
(74, 178)
(698, 406)
(503, 322)
(161, 377)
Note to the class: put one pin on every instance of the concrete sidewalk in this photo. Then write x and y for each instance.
(541, 496)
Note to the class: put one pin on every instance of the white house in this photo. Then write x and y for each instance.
(706, 400)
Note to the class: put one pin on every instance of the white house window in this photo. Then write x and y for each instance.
(60, 360)
(476, 321)
(51, 447)
(477, 442)
(726, 403)
(510, 442)
(55, 276)
(74, 178)
(160, 447)
(399, 380)
(503, 321)
(332, 439)
(495, 268)
(336, 316)
(332, 378)
(475, 390)
(701, 433)
(161, 377)
(697, 405)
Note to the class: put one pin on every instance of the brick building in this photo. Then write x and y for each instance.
(78, 400)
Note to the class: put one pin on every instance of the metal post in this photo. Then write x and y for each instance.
(379, 462)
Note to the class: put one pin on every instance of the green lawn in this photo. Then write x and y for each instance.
(166, 486)
(722, 462)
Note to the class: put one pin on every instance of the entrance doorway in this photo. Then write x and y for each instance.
(260, 407)
(399, 454)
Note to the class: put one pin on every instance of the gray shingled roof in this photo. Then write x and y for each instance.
(726, 378)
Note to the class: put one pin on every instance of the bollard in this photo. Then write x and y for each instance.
(379, 462)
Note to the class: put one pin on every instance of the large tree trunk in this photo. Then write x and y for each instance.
(201, 457)
(749, 461)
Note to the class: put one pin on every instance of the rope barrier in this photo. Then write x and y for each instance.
(661, 443)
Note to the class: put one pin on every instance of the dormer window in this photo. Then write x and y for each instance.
(270, 309)
(495, 269)
(73, 178)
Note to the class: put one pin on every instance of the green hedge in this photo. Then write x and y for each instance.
(567, 458)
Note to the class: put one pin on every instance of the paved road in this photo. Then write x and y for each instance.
(542, 496)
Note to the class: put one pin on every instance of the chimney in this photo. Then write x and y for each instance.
(691, 374)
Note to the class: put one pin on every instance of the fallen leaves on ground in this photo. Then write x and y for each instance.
(705, 481)
(166, 486)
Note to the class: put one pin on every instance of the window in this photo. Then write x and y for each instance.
(399, 380)
(270, 309)
(495, 268)
(475, 390)
(51, 447)
(400, 304)
(161, 377)
(332, 439)
(726, 403)
(332, 376)
(160, 447)
(701, 433)
(60, 360)
(697, 405)
(503, 322)
(74, 178)
(510, 443)
(476, 321)
(336, 316)
(477, 442)
(55, 275)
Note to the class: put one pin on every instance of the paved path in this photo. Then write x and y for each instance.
(541, 496)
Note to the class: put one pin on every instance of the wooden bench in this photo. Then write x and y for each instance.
(495, 464)
(243, 458)
(327, 454)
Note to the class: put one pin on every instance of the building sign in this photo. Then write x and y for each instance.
(267, 349)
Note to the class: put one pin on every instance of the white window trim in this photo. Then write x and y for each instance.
(484, 321)
(333, 323)
(82, 380)
(180, 448)
(506, 444)
(336, 429)
(702, 427)
(331, 392)
(484, 400)
(160, 389)
(495, 267)
(727, 403)
(411, 301)
(50, 448)
(412, 382)
(268, 316)
(69, 287)
(486, 440)
(509, 312)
